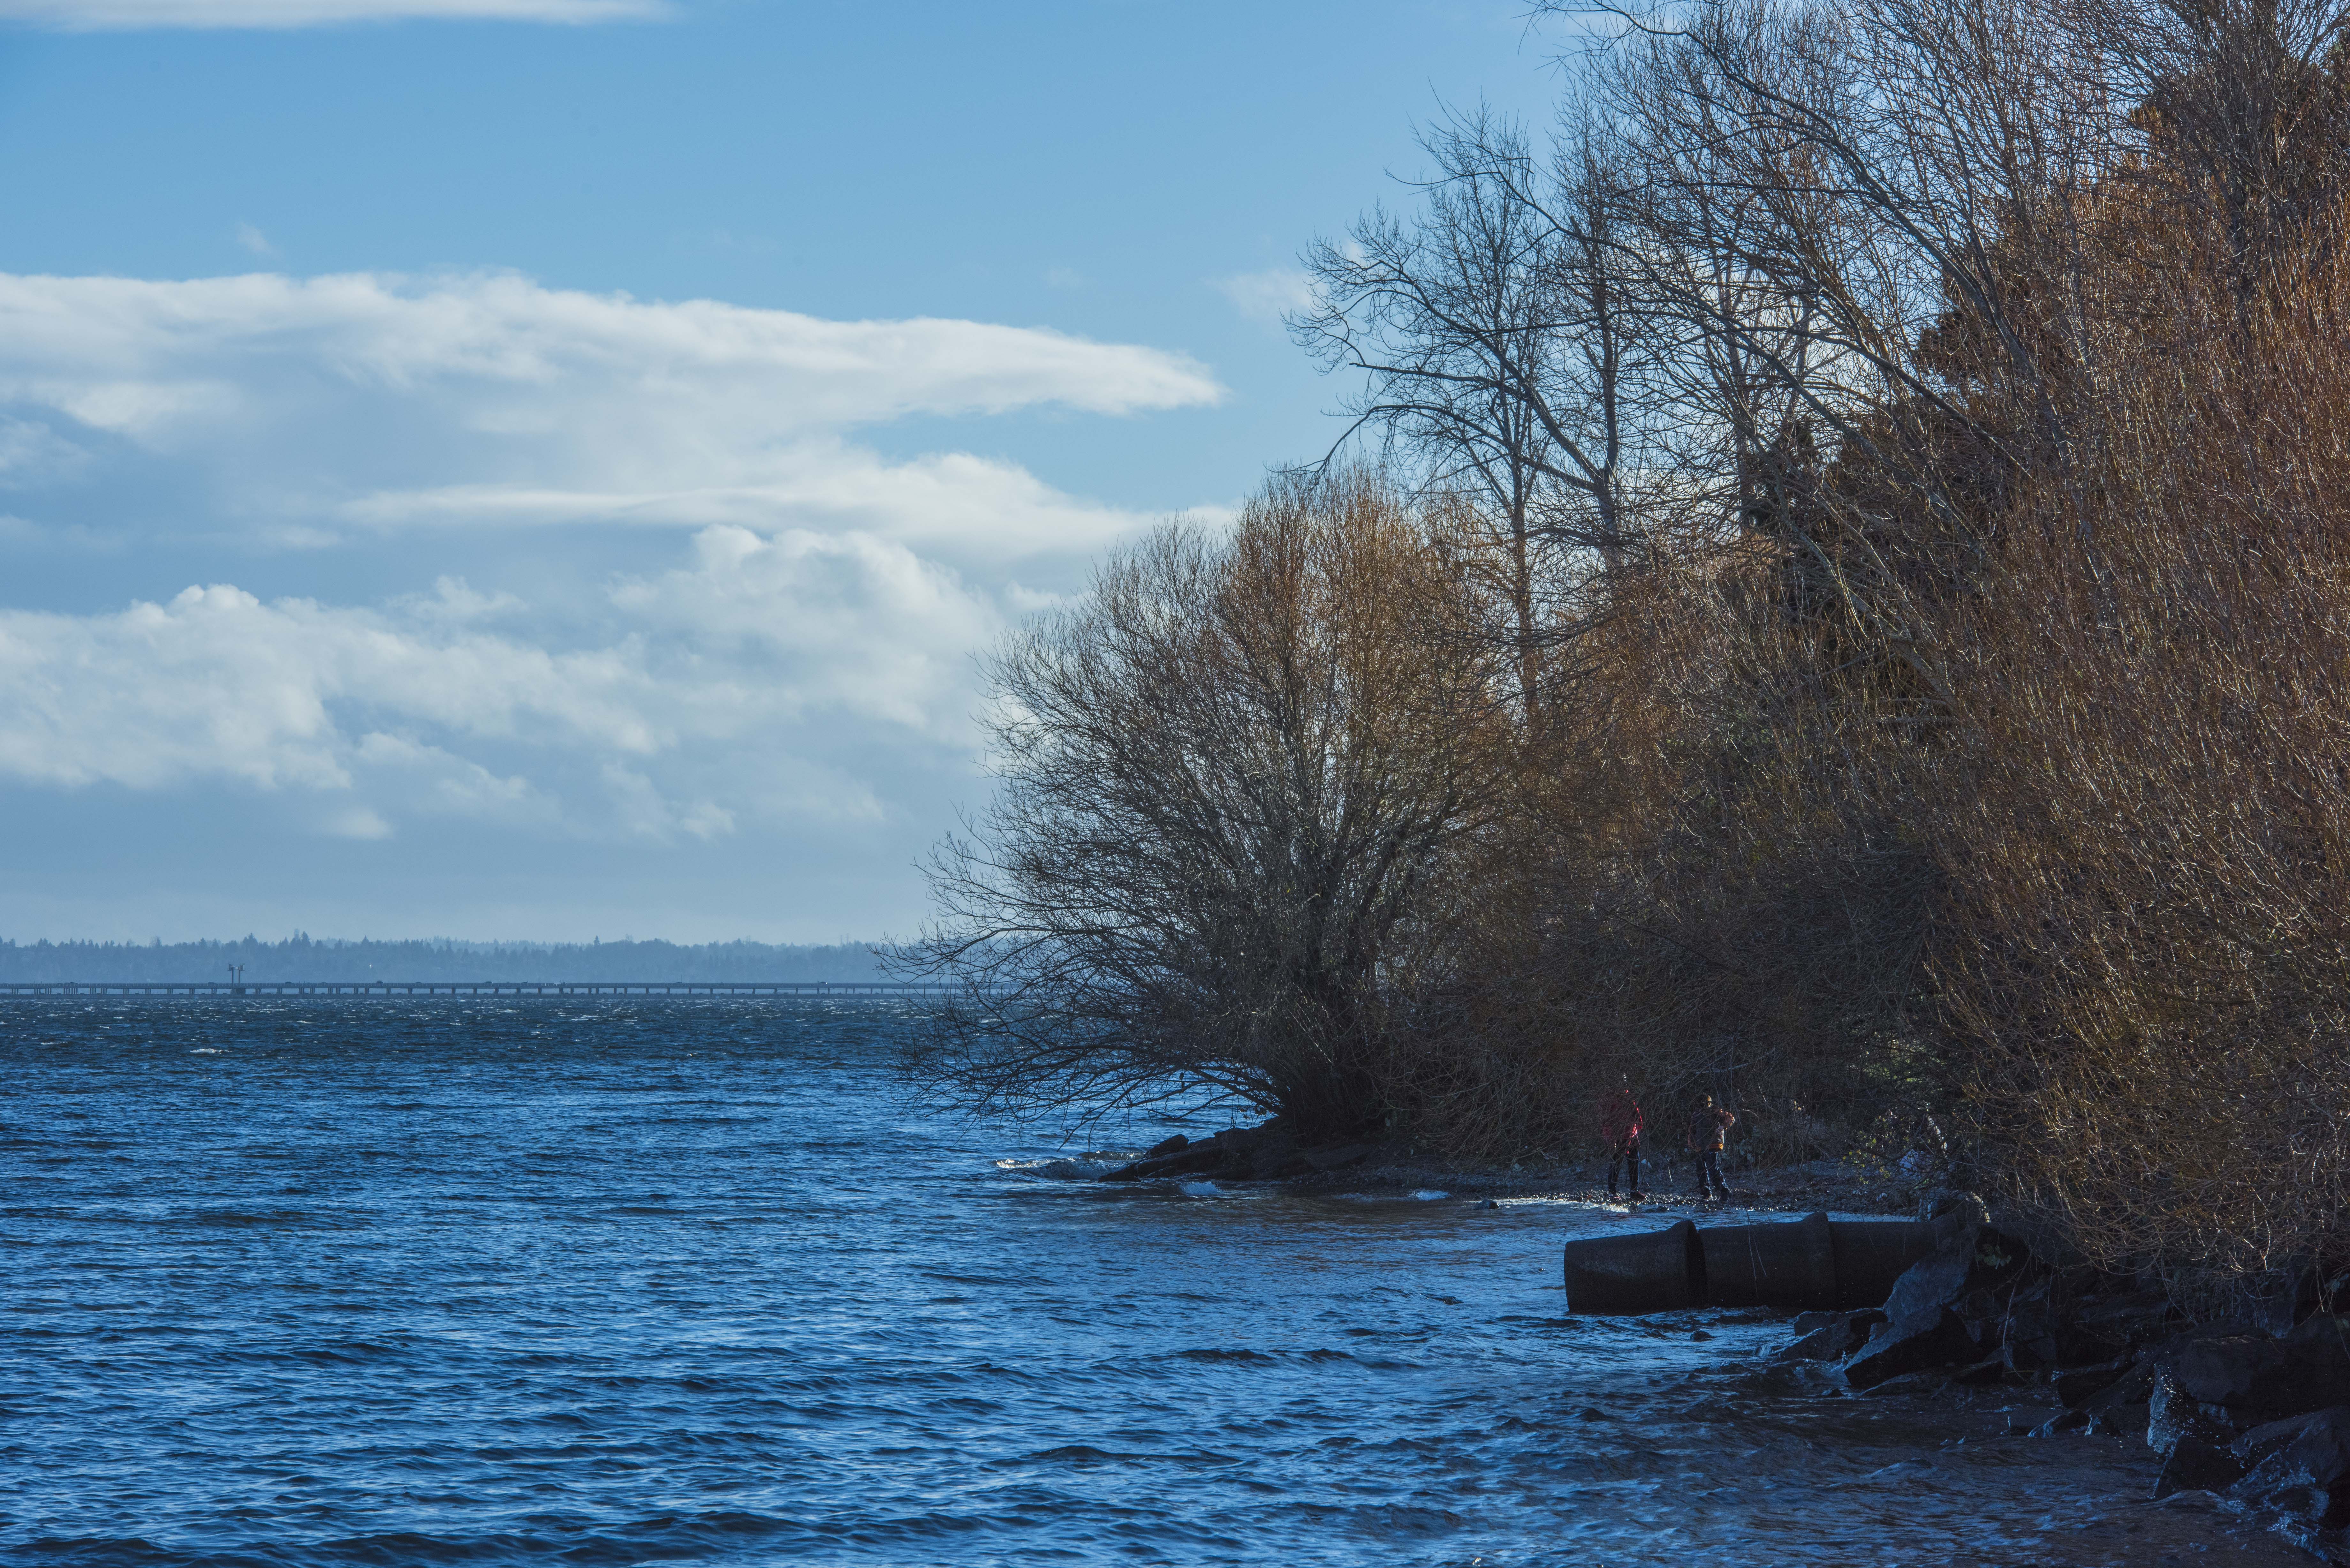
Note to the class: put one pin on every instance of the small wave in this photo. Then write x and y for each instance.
(1202, 1189)
(1073, 1168)
(1429, 1195)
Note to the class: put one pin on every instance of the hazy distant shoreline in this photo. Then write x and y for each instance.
(302, 957)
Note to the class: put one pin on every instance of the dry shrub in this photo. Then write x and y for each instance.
(2146, 950)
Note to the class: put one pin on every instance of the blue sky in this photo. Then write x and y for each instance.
(541, 468)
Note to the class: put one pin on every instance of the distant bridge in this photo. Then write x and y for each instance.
(839, 990)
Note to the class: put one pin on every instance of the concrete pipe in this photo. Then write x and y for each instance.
(1870, 1254)
(1657, 1271)
(1788, 1264)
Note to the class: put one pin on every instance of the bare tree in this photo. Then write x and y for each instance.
(1500, 348)
(1227, 781)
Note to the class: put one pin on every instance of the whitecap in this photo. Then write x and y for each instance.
(1200, 1189)
(1430, 1195)
(1077, 1169)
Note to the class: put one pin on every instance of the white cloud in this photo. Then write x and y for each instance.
(791, 662)
(108, 16)
(378, 401)
(251, 238)
(752, 647)
(1269, 295)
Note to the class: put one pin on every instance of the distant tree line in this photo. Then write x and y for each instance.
(302, 957)
(1842, 601)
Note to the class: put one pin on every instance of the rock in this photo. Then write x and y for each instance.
(2120, 1420)
(2265, 1439)
(2308, 1370)
(1272, 1151)
(2075, 1385)
(2194, 1465)
(2174, 1416)
(1166, 1147)
(1940, 1201)
(1829, 1335)
(2027, 1342)
(2309, 1476)
(2062, 1421)
(1901, 1347)
(1985, 1373)
(1924, 1327)
(2134, 1388)
(1341, 1155)
(1830, 1342)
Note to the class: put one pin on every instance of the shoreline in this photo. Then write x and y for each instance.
(2248, 1422)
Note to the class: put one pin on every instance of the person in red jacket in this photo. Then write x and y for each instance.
(1710, 1126)
(1619, 1124)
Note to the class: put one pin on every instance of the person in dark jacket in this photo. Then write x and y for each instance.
(1709, 1128)
(1619, 1124)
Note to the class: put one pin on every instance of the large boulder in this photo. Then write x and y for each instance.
(2195, 1465)
(2257, 1377)
(1917, 1343)
(1925, 1326)
(2308, 1476)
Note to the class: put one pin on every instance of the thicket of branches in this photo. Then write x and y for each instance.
(1854, 615)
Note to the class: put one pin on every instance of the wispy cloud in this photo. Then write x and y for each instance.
(806, 634)
(1269, 295)
(254, 240)
(520, 404)
(114, 16)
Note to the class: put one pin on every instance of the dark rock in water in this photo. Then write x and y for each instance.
(2174, 1416)
(2309, 1477)
(1928, 1339)
(1238, 1154)
(2061, 1421)
(1831, 1342)
(2308, 1370)
(1986, 1373)
(2194, 1465)
(1273, 1149)
(1925, 1327)
(2266, 1438)
(2075, 1385)
(2120, 1419)
(2133, 1390)
(1829, 1336)
(2027, 1343)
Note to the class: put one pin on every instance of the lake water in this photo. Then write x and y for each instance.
(480, 1282)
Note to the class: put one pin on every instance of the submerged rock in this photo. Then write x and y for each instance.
(2307, 1477)
(2194, 1465)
